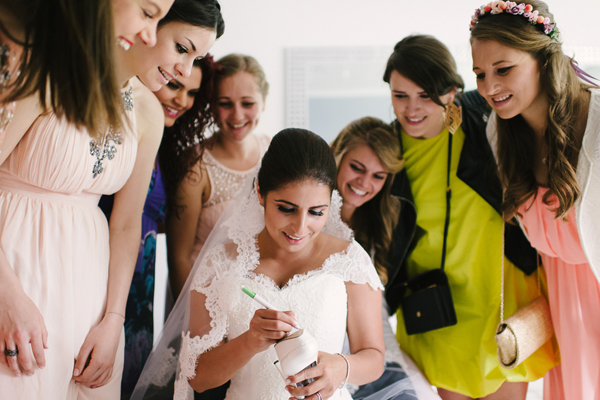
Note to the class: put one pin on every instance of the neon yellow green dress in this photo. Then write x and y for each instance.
(462, 358)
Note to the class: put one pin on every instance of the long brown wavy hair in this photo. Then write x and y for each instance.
(374, 221)
(516, 139)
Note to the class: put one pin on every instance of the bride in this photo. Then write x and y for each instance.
(286, 242)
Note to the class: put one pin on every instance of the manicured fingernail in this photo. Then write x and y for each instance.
(42, 366)
(30, 374)
(288, 381)
(76, 372)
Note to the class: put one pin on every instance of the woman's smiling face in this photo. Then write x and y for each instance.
(178, 45)
(507, 78)
(419, 116)
(135, 21)
(296, 213)
(178, 95)
(360, 175)
(239, 105)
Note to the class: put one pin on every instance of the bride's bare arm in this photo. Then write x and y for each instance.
(217, 366)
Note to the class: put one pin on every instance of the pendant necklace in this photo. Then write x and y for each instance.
(106, 149)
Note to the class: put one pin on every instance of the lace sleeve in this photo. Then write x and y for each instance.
(208, 321)
(354, 265)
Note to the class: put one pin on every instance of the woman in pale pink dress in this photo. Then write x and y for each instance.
(546, 133)
(64, 272)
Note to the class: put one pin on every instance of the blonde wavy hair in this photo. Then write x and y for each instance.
(374, 221)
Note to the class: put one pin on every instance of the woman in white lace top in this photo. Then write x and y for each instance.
(285, 241)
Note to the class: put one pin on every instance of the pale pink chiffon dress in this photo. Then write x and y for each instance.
(56, 240)
(574, 298)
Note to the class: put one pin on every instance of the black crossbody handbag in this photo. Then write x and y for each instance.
(428, 304)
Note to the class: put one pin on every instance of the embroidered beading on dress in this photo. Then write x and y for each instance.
(225, 184)
(7, 111)
(106, 149)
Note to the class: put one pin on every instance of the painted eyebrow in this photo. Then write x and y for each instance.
(295, 205)
(493, 65)
(374, 173)
(358, 162)
(401, 91)
(191, 44)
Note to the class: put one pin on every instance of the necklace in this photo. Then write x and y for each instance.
(106, 150)
(6, 110)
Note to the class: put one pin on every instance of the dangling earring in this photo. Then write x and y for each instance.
(452, 117)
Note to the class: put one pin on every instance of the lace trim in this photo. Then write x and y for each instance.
(168, 364)
(349, 265)
(335, 226)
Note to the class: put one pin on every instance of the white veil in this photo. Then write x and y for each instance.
(242, 220)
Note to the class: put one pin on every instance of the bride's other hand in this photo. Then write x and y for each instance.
(329, 373)
(267, 327)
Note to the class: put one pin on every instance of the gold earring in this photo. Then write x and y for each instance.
(453, 117)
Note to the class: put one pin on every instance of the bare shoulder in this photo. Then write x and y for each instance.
(332, 244)
(148, 111)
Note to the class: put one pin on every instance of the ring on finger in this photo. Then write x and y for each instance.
(319, 396)
(11, 353)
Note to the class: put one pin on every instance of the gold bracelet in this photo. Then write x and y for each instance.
(347, 371)
(114, 312)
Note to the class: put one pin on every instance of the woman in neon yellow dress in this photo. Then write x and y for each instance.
(459, 359)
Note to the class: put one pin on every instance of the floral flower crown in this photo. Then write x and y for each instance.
(510, 7)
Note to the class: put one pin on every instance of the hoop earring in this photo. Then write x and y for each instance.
(452, 117)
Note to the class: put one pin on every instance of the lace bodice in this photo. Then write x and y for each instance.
(318, 298)
(225, 182)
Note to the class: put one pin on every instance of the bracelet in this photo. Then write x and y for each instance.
(347, 370)
(114, 312)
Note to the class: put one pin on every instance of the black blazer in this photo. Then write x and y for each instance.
(477, 168)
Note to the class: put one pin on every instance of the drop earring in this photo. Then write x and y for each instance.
(452, 117)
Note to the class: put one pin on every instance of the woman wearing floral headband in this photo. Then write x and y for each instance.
(546, 134)
(460, 359)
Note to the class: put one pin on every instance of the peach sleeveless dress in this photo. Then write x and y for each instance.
(574, 299)
(56, 240)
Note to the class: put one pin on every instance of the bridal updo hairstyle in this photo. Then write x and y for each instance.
(295, 155)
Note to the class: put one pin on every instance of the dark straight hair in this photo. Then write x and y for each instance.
(296, 155)
(202, 13)
(428, 63)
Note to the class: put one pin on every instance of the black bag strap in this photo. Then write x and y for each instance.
(448, 198)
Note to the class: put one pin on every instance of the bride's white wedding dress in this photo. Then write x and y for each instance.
(318, 298)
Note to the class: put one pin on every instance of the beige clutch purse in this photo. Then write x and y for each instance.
(524, 332)
(520, 335)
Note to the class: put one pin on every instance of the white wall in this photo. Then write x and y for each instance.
(264, 28)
